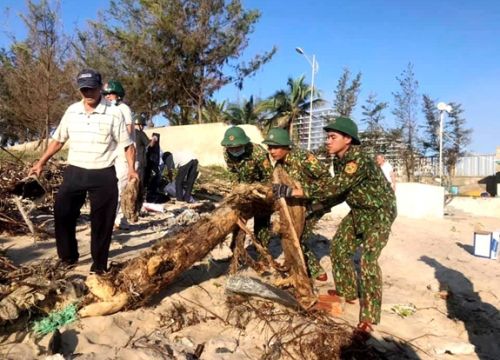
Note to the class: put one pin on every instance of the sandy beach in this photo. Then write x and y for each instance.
(428, 267)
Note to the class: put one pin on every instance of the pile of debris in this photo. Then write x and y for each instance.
(34, 197)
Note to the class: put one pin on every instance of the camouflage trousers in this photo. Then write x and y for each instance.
(261, 229)
(344, 244)
(313, 266)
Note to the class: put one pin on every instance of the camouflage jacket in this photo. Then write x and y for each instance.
(252, 166)
(303, 167)
(362, 184)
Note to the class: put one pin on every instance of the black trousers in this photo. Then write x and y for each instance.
(184, 181)
(101, 187)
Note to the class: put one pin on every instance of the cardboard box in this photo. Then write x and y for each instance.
(486, 244)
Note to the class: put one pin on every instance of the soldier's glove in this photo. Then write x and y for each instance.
(281, 191)
(314, 210)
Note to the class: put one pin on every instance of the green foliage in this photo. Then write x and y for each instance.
(405, 110)
(431, 127)
(172, 55)
(346, 95)
(372, 118)
(248, 112)
(214, 112)
(404, 310)
(35, 76)
(286, 106)
(457, 137)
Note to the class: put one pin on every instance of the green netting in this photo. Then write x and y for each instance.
(56, 319)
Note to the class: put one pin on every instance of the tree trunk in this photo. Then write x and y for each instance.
(132, 283)
(292, 222)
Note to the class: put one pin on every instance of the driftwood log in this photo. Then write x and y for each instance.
(130, 284)
(292, 222)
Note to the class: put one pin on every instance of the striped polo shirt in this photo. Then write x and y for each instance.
(93, 137)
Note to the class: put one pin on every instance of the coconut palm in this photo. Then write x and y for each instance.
(248, 112)
(286, 106)
(214, 111)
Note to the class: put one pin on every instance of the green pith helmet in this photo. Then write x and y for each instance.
(345, 126)
(140, 120)
(235, 136)
(277, 137)
(114, 87)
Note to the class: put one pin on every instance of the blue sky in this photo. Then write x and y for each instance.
(453, 45)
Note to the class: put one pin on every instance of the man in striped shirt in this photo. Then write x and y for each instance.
(95, 130)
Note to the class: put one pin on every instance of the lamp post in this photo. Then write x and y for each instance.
(314, 68)
(443, 108)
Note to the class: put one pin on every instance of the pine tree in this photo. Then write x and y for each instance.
(373, 117)
(173, 55)
(346, 95)
(430, 140)
(457, 137)
(405, 110)
(38, 78)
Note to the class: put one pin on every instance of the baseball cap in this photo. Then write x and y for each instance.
(88, 78)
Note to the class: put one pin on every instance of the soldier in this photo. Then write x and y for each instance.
(114, 93)
(361, 183)
(304, 168)
(248, 163)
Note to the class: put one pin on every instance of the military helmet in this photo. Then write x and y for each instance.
(140, 120)
(345, 126)
(235, 136)
(278, 137)
(114, 87)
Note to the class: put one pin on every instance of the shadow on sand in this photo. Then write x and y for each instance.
(482, 320)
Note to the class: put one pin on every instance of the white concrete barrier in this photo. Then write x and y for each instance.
(476, 205)
(416, 200)
(203, 140)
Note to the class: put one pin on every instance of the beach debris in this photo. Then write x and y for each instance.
(292, 222)
(404, 310)
(55, 320)
(25, 215)
(29, 188)
(453, 346)
(36, 193)
(132, 283)
(220, 345)
(152, 207)
(254, 287)
(130, 202)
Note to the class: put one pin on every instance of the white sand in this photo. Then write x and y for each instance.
(422, 257)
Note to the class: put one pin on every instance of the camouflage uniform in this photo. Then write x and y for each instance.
(253, 167)
(361, 183)
(309, 172)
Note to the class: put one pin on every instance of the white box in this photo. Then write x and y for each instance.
(486, 244)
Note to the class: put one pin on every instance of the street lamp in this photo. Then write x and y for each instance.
(314, 67)
(442, 107)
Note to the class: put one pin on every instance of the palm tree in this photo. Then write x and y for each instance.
(214, 112)
(286, 106)
(248, 112)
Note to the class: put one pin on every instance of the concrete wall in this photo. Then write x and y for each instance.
(414, 200)
(476, 206)
(203, 140)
